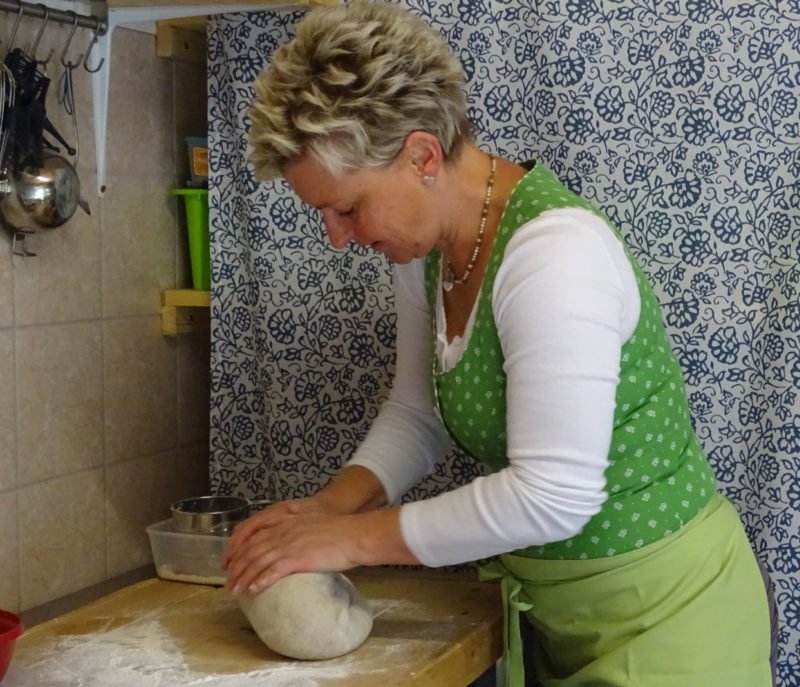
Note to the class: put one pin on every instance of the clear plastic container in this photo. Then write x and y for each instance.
(187, 557)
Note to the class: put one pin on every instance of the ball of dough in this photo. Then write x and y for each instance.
(310, 615)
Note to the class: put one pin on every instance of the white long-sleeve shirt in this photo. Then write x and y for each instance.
(564, 300)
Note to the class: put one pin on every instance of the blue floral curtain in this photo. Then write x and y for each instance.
(679, 118)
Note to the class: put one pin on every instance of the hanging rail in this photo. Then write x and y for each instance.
(156, 10)
(60, 16)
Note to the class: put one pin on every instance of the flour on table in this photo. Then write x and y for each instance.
(166, 572)
(144, 654)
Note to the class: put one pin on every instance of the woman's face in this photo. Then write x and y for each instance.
(384, 208)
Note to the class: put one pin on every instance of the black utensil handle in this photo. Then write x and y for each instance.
(49, 128)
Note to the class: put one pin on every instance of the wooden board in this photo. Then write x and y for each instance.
(185, 311)
(186, 298)
(186, 41)
(429, 630)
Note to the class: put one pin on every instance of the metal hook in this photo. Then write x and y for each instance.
(20, 12)
(95, 35)
(36, 40)
(64, 62)
(19, 243)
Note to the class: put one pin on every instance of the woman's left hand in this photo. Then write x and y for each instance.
(316, 542)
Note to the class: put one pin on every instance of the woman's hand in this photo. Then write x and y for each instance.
(269, 517)
(355, 489)
(299, 538)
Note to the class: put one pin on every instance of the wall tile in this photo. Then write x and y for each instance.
(62, 283)
(185, 474)
(132, 503)
(140, 388)
(193, 389)
(62, 536)
(138, 245)
(140, 109)
(8, 442)
(9, 553)
(6, 281)
(59, 400)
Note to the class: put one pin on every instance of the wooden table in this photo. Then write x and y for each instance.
(430, 630)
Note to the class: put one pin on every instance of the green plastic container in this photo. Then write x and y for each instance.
(195, 201)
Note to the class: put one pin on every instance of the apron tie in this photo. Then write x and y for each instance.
(515, 601)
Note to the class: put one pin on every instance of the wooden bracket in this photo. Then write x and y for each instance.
(182, 39)
(185, 311)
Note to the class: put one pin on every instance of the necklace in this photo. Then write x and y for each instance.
(449, 280)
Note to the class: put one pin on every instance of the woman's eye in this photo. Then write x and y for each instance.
(347, 213)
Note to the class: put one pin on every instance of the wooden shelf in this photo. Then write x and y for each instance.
(185, 311)
(182, 39)
(186, 298)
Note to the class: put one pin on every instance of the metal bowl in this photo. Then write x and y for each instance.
(51, 193)
(209, 514)
(257, 505)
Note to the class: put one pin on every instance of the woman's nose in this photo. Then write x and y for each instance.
(339, 233)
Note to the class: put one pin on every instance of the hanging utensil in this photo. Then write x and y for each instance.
(51, 193)
(7, 99)
(66, 96)
(8, 89)
(28, 117)
(66, 89)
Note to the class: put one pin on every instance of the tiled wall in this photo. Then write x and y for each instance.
(103, 421)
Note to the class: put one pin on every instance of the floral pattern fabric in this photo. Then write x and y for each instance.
(678, 118)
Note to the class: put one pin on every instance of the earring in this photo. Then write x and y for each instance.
(428, 180)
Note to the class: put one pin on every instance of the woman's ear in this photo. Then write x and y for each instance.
(424, 153)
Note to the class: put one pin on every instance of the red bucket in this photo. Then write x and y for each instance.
(10, 629)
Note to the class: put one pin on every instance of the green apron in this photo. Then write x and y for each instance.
(620, 621)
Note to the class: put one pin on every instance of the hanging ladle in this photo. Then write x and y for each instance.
(50, 194)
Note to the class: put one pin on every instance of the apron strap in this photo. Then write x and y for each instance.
(515, 601)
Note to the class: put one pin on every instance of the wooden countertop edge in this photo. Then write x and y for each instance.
(472, 656)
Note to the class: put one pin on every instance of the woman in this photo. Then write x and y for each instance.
(548, 362)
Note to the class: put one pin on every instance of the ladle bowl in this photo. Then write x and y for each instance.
(51, 194)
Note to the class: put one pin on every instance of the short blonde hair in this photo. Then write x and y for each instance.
(349, 88)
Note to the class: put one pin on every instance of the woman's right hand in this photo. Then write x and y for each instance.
(273, 515)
